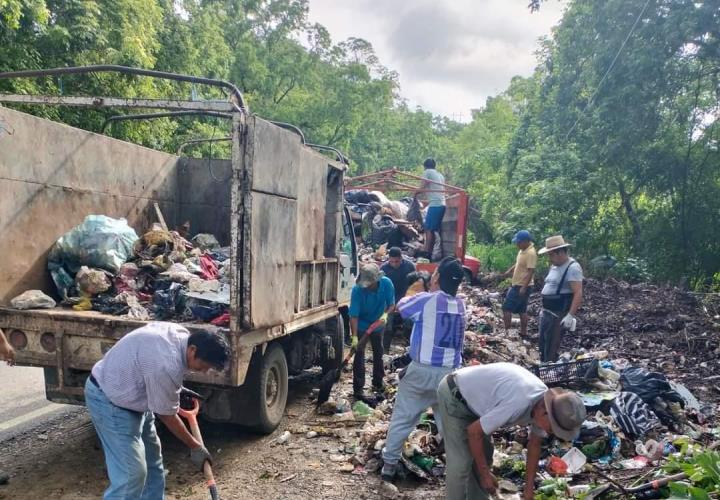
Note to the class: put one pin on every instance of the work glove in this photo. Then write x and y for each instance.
(199, 455)
(568, 322)
(354, 341)
(383, 318)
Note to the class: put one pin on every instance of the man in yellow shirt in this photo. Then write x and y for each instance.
(522, 272)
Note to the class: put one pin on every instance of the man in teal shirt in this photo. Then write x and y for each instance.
(372, 298)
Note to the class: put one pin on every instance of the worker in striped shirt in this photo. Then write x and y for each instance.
(140, 377)
(435, 349)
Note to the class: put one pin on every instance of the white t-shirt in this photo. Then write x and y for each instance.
(434, 198)
(501, 394)
(552, 280)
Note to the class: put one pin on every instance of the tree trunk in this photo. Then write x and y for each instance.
(631, 215)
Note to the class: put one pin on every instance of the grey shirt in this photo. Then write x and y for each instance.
(552, 280)
(144, 370)
(501, 394)
(434, 198)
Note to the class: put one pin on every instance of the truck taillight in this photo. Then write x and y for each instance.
(18, 339)
(47, 341)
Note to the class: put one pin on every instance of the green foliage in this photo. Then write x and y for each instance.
(622, 162)
(703, 472)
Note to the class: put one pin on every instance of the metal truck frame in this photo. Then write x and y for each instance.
(280, 208)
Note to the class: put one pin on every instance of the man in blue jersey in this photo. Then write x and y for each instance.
(435, 350)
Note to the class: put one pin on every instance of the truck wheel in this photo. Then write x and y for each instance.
(272, 389)
(335, 328)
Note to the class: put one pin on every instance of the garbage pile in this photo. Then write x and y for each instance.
(103, 265)
(643, 424)
(380, 223)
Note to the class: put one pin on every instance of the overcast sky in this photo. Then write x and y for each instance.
(451, 54)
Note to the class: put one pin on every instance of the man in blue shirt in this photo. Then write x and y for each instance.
(372, 298)
(435, 349)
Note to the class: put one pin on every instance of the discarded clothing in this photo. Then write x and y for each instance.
(633, 416)
(209, 268)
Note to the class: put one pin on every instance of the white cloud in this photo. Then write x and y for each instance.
(450, 55)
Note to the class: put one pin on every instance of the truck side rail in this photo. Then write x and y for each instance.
(238, 101)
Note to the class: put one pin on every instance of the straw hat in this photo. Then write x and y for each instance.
(553, 243)
(566, 412)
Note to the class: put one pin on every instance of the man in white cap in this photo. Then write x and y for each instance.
(476, 401)
(371, 299)
(561, 297)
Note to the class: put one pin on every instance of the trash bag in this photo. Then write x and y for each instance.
(206, 241)
(32, 299)
(92, 281)
(169, 301)
(648, 385)
(383, 229)
(100, 242)
(414, 213)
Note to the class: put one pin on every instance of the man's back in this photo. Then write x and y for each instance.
(439, 328)
(436, 181)
(144, 369)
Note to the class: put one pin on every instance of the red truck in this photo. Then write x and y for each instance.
(397, 183)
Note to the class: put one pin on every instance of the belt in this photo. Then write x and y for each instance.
(454, 389)
(94, 382)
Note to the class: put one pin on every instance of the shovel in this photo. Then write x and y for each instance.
(329, 379)
(191, 417)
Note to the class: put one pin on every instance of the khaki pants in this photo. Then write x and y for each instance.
(461, 477)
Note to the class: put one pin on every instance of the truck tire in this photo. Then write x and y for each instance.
(271, 389)
(335, 328)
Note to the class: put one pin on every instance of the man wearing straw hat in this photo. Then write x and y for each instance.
(561, 297)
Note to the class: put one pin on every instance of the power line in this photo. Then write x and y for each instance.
(610, 68)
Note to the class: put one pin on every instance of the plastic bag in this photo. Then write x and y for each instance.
(92, 281)
(100, 242)
(32, 299)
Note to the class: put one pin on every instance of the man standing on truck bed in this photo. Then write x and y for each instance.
(141, 375)
(372, 298)
(397, 269)
(434, 181)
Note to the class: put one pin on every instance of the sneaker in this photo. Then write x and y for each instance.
(388, 471)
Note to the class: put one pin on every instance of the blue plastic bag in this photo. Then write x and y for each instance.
(100, 242)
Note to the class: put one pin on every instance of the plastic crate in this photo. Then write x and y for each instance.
(563, 373)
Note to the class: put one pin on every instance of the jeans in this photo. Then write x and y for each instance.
(416, 393)
(376, 340)
(131, 446)
(461, 477)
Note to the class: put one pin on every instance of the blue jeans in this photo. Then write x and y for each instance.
(132, 448)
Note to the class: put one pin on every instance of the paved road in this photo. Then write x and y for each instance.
(23, 406)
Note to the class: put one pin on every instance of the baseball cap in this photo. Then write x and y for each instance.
(522, 235)
(369, 275)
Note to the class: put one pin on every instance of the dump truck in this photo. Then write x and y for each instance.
(277, 202)
(396, 183)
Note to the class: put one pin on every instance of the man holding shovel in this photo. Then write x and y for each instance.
(435, 349)
(141, 375)
(372, 298)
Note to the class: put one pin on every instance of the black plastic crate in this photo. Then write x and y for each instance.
(563, 373)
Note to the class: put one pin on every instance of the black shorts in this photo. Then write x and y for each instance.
(514, 302)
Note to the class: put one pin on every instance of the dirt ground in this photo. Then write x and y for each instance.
(662, 328)
(63, 460)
